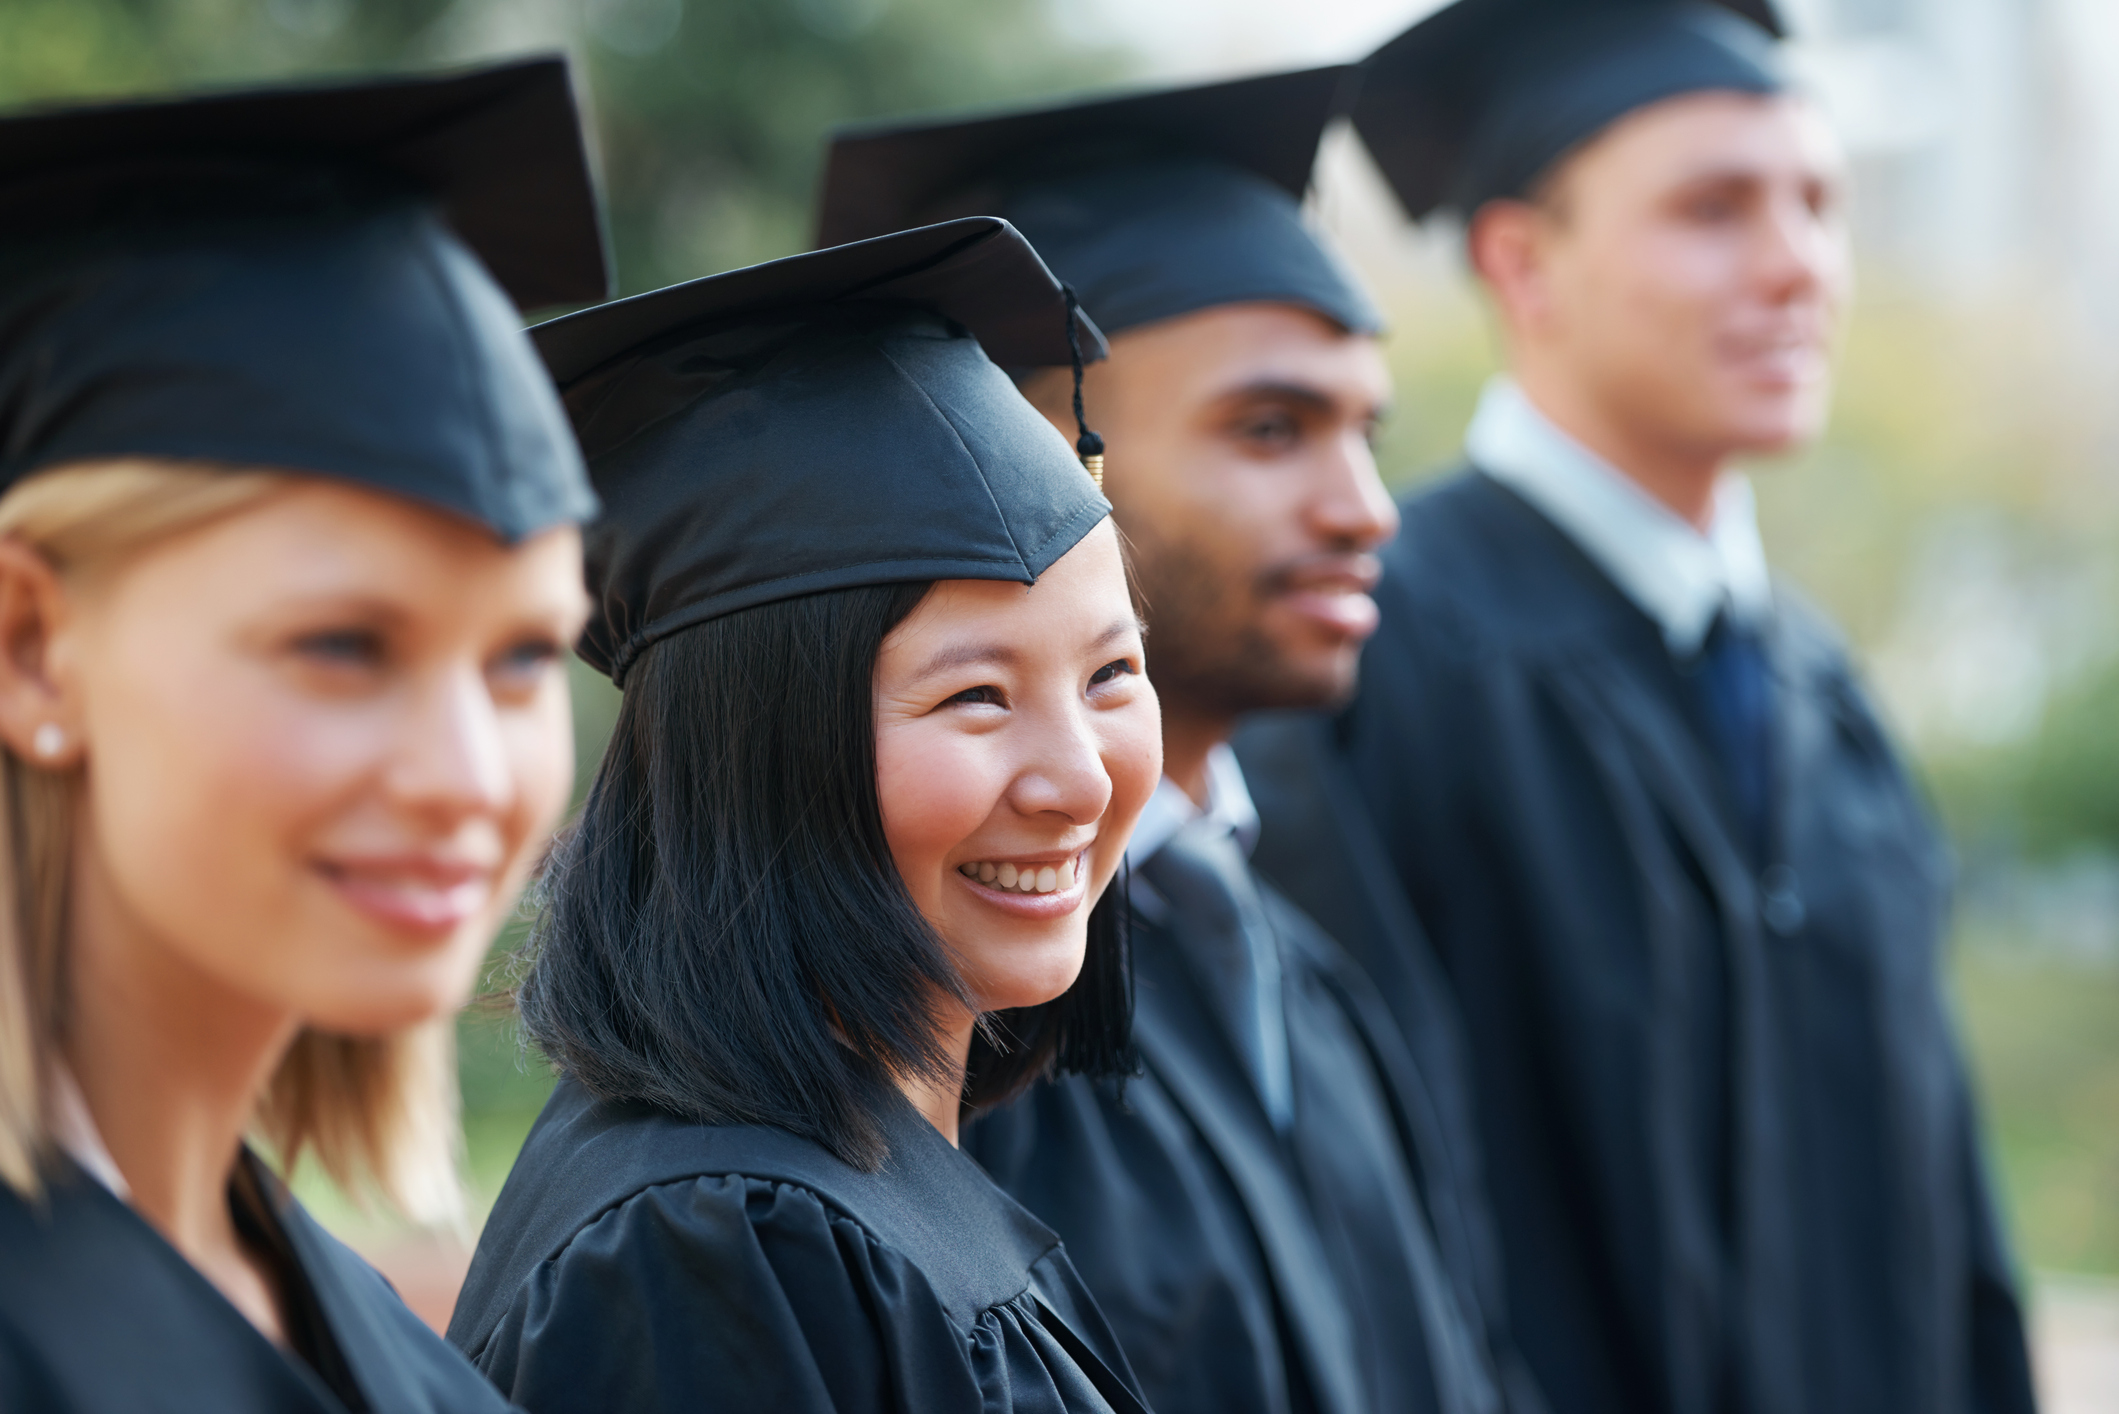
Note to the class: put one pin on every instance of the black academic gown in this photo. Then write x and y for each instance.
(1249, 1272)
(1727, 1131)
(100, 1315)
(639, 1262)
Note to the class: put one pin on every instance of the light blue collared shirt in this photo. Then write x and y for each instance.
(1229, 809)
(1678, 576)
(1170, 809)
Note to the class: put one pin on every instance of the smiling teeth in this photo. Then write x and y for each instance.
(1039, 879)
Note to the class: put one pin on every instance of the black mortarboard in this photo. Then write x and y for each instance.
(320, 279)
(1478, 100)
(821, 422)
(1150, 205)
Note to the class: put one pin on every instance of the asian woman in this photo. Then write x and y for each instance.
(844, 874)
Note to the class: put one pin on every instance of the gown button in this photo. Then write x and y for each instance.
(1780, 901)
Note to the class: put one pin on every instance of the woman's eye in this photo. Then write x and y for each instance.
(975, 697)
(520, 668)
(342, 647)
(1112, 671)
(530, 656)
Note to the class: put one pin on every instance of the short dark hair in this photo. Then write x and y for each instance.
(725, 935)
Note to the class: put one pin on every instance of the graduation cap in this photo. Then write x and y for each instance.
(1478, 100)
(822, 422)
(1148, 205)
(321, 279)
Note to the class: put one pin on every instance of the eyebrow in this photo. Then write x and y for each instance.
(1117, 629)
(1004, 655)
(353, 603)
(1286, 392)
(1314, 399)
(1739, 174)
(966, 655)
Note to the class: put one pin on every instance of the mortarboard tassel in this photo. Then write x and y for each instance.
(1089, 446)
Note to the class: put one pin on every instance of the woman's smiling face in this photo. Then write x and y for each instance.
(1017, 740)
(323, 739)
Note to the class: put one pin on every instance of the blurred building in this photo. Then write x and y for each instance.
(1986, 139)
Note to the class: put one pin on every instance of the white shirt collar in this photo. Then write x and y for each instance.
(1170, 809)
(1676, 575)
(74, 1128)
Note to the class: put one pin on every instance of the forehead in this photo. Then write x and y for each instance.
(1080, 595)
(318, 537)
(1708, 135)
(1212, 353)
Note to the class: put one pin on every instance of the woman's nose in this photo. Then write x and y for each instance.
(448, 757)
(1065, 775)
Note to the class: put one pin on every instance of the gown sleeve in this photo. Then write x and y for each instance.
(728, 1293)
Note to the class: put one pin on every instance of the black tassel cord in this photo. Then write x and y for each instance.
(1089, 446)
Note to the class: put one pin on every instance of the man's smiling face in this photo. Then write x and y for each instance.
(1241, 471)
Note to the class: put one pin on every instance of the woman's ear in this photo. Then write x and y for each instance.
(39, 718)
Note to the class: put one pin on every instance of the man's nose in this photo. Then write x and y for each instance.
(1351, 506)
(1800, 250)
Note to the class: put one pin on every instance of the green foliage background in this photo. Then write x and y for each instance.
(1984, 422)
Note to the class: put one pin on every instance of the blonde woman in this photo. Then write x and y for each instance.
(288, 562)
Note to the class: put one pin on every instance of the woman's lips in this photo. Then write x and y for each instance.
(1066, 895)
(415, 895)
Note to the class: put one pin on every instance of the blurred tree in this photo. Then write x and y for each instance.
(710, 115)
(713, 115)
(2068, 795)
(65, 49)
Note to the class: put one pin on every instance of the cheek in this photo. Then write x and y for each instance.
(208, 790)
(540, 754)
(1647, 313)
(172, 751)
(937, 786)
(1673, 288)
(1133, 757)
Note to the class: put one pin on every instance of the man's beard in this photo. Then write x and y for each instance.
(1207, 647)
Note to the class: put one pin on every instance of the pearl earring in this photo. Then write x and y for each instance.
(49, 741)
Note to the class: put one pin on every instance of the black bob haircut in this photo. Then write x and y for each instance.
(725, 934)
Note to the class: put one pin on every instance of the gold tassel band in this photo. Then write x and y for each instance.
(1094, 464)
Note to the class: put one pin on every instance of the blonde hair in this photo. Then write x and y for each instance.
(376, 1112)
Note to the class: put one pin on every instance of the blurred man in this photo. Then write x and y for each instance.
(1272, 1215)
(1689, 900)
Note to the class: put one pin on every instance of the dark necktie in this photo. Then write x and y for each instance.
(1736, 687)
(1219, 918)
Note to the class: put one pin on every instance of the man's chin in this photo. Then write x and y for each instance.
(1314, 680)
(1770, 425)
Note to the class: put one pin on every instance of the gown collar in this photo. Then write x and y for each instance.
(1682, 579)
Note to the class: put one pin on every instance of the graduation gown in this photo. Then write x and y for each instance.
(1247, 1270)
(638, 1262)
(1727, 1131)
(99, 1313)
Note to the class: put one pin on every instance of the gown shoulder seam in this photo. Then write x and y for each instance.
(835, 1209)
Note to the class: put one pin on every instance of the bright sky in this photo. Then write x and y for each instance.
(1186, 39)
